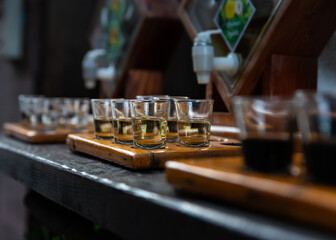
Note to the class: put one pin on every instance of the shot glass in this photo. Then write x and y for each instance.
(77, 113)
(42, 113)
(194, 121)
(102, 117)
(316, 117)
(122, 121)
(24, 109)
(172, 135)
(60, 107)
(149, 119)
(266, 132)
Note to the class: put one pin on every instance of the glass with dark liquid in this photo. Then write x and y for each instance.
(316, 115)
(102, 115)
(193, 121)
(149, 121)
(266, 132)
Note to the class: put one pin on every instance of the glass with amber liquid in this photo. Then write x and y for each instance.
(194, 121)
(172, 135)
(122, 122)
(103, 128)
(123, 131)
(149, 133)
(102, 116)
(149, 119)
(194, 133)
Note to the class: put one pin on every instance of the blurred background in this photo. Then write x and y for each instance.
(43, 44)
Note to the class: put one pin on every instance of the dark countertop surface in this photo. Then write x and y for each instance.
(135, 205)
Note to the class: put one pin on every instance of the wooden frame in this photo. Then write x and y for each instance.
(156, 19)
(299, 29)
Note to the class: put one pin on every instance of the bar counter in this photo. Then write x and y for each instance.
(132, 204)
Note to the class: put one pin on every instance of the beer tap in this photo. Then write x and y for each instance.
(205, 62)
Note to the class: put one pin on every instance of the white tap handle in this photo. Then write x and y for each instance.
(229, 64)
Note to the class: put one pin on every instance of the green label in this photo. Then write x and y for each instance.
(232, 18)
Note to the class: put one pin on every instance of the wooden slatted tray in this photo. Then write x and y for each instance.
(290, 196)
(136, 158)
(18, 131)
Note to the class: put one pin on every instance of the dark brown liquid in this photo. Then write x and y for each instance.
(320, 161)
(267, 155)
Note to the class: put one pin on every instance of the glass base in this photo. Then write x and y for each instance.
(104, 138)
(151, 146)
(204, 144)
(123, 142)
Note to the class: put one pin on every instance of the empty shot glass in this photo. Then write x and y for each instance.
(316, 117)
(42, 114)
(172, 135)
(102, 117)
(149, 119)
(194, 121)
(122, 121)
(24, 109)
(265, 125)
(77, 113)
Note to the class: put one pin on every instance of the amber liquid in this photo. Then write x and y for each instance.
(172, 135)
(194, 133)
(149, 133)
(103, 128)
(123, 132)
(267, 155)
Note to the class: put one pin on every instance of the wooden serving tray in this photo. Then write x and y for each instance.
(18, 131)
(289, 196)
(137, 158)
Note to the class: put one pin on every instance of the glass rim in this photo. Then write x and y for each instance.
(312, 93)
(76, 98)
(105, 99)
(148, 100)
(265, 99)
(152, 96)
(194, 100)
(179, 97)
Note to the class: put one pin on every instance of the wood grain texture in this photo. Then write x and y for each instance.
(136, 158)
(285, 74)
(151, 44)
(117, 198)
(300, 28)
(142, 82)
(18, 131)
(290, 196)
